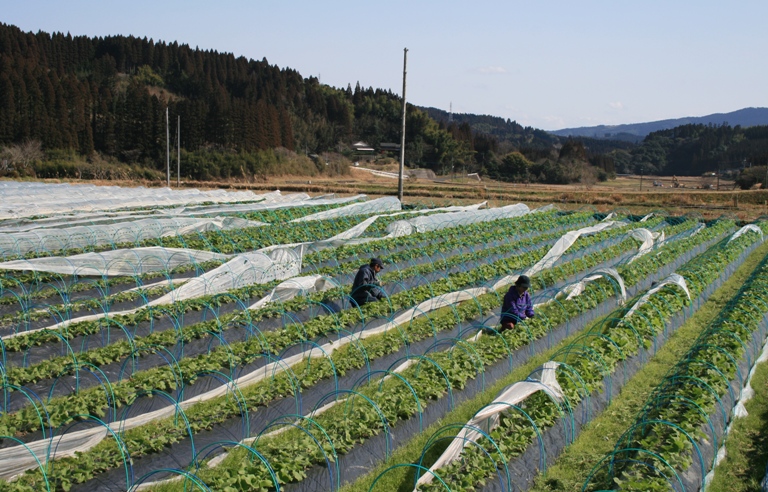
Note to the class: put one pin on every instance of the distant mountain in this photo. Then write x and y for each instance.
(637, 131)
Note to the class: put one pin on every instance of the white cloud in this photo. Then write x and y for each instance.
(616, 105)
(491, 69)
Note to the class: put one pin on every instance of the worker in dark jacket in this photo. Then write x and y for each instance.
(517, 304)
(366, 287)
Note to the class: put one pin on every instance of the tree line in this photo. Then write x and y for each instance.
(105, 98)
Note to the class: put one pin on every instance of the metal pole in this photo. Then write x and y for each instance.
(167, 151)
(402, 136)
(178, 159)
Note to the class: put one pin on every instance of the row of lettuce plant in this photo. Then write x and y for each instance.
(438, 248)
(393, 400)
(449, 318)
(516, 225)
(272, 342)
(586, 366)
(210, 239)
(233, 241)
(672, 442)
(14, 290)
(532, 247)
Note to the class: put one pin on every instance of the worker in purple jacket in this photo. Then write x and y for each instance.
(517, 304)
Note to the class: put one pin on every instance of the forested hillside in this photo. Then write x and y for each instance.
(695, 149)
(109, 95)
(101, 103)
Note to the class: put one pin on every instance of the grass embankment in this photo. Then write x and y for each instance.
(599, 437)
(746, 447)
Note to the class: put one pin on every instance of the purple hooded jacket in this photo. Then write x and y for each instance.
(515, 306)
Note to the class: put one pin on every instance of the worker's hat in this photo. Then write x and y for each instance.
(523, 281)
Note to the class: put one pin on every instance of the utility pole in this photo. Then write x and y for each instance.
(402, 136)
(178, 159)
(718, 178)
(167, 151)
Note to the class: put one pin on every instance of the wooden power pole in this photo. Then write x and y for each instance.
(178, 147)
(167, 151)
(402, 136)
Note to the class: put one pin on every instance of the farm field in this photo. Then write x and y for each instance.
(157, 339)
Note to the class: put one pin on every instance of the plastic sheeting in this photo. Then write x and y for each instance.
(18, 199)
(296, 286)
(77, 237)
(566, 241)
(439, 221)
(122, 262)
(747, 228)
(352, 235)
(577, 288)
(647, 238)
(240, 271)
(385, 204)
(488, 417)
(674, 278)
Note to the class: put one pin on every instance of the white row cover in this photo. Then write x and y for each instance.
(435, 222)
(577, 288)
(487, 418)
(557, 251)
(57, 239)
(673, 279)
(745, 229)
(296, 286)
(352, 235)
(385, 204)
(277, 202)
(566, 241)
(647, 238)
(240, 271)
(120, 262)
(293, 200)
(34, 199)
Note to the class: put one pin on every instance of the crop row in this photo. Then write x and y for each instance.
(273, 342)
(428, 326)
(511, 226)
(673, 440)
(501, 234)
(393, 399)
(586, 365)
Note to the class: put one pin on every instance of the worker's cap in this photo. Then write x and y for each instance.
(523, 281)
(376, 261)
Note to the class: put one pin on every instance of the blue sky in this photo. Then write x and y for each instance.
(548, 64)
